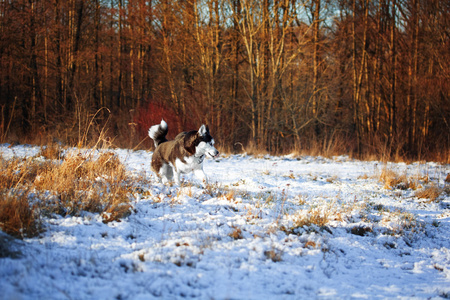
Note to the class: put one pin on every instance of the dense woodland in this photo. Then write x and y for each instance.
(347, 76)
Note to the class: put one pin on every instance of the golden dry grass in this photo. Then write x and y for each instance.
(77, 183)
(312, 217)
(17, 217)
(81, 183)
(431, 192)
(51, 151)
(389, 178)
(236, 233)
(307, 219)
(392, 179)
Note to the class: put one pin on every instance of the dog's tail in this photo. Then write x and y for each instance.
(158, 133)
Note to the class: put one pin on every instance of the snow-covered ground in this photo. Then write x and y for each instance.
(241, 239)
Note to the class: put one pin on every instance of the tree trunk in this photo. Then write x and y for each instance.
(316, 20)
(97, 81)
(355, 83)
(412, 79)
(119, 60)
(393, 79)
(35, 92)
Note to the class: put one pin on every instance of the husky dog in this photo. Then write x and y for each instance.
(184, 154)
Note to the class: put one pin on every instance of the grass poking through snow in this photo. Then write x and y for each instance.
(70, 184)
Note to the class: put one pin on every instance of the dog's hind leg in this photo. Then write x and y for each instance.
(166, 173)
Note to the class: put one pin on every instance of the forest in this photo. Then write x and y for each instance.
(358, 77)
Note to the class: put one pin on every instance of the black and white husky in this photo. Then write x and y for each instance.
(184, 154)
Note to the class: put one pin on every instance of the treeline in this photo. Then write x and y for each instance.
(346, 76)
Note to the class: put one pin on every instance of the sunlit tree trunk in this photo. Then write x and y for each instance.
(76, 22)
(356, 100)
(377, 69)
(412, 77)
(235, 60)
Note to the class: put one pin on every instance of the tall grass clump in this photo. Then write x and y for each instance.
(310, 219)
(31, 188)
(83, 183)
(17, 216)
(431, 192)
(393, 179)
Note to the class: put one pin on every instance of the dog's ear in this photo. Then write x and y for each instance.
(190, 142)
(203, 130)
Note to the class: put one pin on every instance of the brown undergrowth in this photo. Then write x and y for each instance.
(34, 187)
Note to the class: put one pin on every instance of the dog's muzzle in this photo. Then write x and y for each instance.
(214, 154)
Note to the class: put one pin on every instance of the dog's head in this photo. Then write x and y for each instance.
(201, 143)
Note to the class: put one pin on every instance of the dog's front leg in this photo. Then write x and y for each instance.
(200, 174)
(177, 178)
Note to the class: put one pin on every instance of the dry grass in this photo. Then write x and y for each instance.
(311, 218)
(274, 254)
(77, 183)
(332, 179)
(319, 216)
(311, 245)
(236, 233)
(230, 195)
(80, 184)
(18, 172)
(392, 179)
(301, 199)
(431, 192)
(401, 223)
(251, 149)
(51, 151)
(17, 217)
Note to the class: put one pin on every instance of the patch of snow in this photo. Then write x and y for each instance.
(238, 238)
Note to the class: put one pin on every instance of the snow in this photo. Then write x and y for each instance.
(179, 243)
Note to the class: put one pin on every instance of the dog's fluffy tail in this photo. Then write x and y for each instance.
(158, 133)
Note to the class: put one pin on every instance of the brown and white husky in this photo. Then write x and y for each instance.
(184, 154)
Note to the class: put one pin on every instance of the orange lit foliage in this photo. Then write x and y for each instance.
(153, 113)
